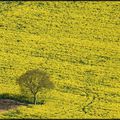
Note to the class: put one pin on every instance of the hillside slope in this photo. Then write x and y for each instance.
(77, 43)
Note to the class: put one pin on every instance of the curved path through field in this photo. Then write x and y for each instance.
(6, 104)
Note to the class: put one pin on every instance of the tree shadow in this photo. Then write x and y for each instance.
(12, 101)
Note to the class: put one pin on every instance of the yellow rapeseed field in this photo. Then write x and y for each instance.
(77, 43)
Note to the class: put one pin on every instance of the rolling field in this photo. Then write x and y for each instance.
(77, 43)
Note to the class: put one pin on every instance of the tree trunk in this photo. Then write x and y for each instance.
(35, 99)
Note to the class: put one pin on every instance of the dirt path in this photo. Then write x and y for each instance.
(6, 104)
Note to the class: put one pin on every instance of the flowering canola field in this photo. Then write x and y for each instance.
(77, 43)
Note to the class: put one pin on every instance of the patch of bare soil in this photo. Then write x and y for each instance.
(6, 104)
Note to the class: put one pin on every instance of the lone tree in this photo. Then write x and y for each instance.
(32, 82)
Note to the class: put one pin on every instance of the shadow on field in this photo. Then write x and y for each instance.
(12, 101)
(8, 101)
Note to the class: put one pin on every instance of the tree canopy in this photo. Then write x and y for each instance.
(33, 81)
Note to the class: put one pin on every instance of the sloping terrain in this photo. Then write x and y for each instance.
(77, 43)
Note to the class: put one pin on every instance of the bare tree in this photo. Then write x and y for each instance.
(33, 81)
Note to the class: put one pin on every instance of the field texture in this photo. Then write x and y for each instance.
(77, 43)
